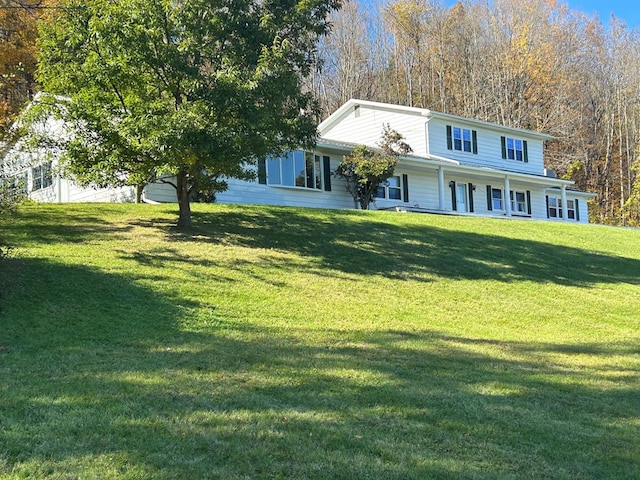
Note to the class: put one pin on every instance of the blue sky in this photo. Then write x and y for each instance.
(626, 10)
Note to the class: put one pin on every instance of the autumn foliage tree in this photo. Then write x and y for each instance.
(535, 65)
(18, 35)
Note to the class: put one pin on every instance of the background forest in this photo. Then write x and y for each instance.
(529, 64)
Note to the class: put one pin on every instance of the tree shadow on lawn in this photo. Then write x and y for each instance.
(348, 242)
(99, 379)
(351, 243)
(43, 226)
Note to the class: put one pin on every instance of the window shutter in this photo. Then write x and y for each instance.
(405, 187)
(489, 199)
(449, 138)
(547, 197)
(454, 203)
(577, 207)
(262, 171)
(474, 139)
(471, 197)
(529, 202)
(326, 164)
(525, 153)
(503, 142)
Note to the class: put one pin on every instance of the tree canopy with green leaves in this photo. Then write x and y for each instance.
(365, 169)
(191, 90)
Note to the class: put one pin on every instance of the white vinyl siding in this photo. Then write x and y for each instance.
(366, 127)
(489, 149)
(247, 192)
(422, 189)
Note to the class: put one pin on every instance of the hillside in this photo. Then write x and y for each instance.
(293, 343)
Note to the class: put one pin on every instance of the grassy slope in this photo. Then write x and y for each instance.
(292, 343)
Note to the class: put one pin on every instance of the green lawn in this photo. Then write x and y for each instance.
(316, 344)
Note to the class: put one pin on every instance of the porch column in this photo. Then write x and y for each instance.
(563, 195)
(507, 196)
(441, 188)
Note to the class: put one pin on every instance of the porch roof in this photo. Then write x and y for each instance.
(434, 163)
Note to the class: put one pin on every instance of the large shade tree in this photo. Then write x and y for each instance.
(192, 90)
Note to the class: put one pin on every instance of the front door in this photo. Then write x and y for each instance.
(461, 197)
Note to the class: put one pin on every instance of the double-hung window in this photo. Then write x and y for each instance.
(518, 202)
(296, 169)
(571, 209)
(554, 208)
(390, 189)
(462, 139)
(496, 199)
(514, 149)
(41, 175)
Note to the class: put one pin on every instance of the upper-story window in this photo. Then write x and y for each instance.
(514, 149)
(462, 139)
(296, 169)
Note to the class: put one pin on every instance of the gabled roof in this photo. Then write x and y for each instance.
(345, 109)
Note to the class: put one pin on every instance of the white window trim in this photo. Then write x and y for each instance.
(44, 176)
(571, 207)
(513, 194)
(502, 200)
(515, 149)
(387, 187)
(462, 140)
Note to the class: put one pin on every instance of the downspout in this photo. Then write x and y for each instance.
(426, 135)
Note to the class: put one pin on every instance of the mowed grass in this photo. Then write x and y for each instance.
(282, 343)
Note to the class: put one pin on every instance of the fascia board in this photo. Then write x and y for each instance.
(455, 167)
(424, 112)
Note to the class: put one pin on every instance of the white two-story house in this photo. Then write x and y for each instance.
(458, 166)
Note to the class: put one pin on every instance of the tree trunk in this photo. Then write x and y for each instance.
(139, 190)
(182, 188)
